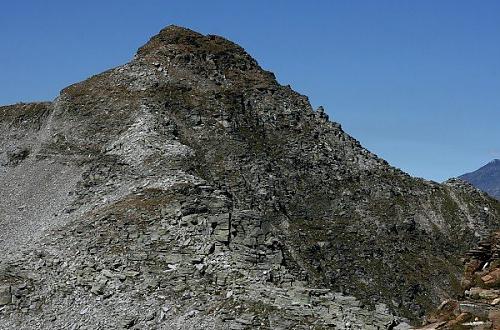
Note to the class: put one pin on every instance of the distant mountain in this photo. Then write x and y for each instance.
(487, 178)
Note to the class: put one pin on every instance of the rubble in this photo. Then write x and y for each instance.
(479, 308)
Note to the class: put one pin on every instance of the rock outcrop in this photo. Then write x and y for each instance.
(479, 307)
(188, 189)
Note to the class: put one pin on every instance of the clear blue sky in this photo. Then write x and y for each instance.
(417, 82)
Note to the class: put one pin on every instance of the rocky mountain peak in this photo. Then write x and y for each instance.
(188, 39)
(187, 189)
(210, 55)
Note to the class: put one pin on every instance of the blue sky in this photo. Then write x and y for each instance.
(417, 82)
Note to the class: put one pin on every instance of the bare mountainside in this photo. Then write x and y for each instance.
(187, 189)
(487, 178)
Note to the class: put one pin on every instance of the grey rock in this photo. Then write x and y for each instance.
(5, 295)
(207, 178)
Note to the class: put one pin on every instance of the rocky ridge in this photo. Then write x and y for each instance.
(197, 192)
(487, 178)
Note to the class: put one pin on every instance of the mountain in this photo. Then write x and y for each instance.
(187, 189)
(487, 178)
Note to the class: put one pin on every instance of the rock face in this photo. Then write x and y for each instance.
(479, 307)
(5, 295)
(487, 178)
(187, 189)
